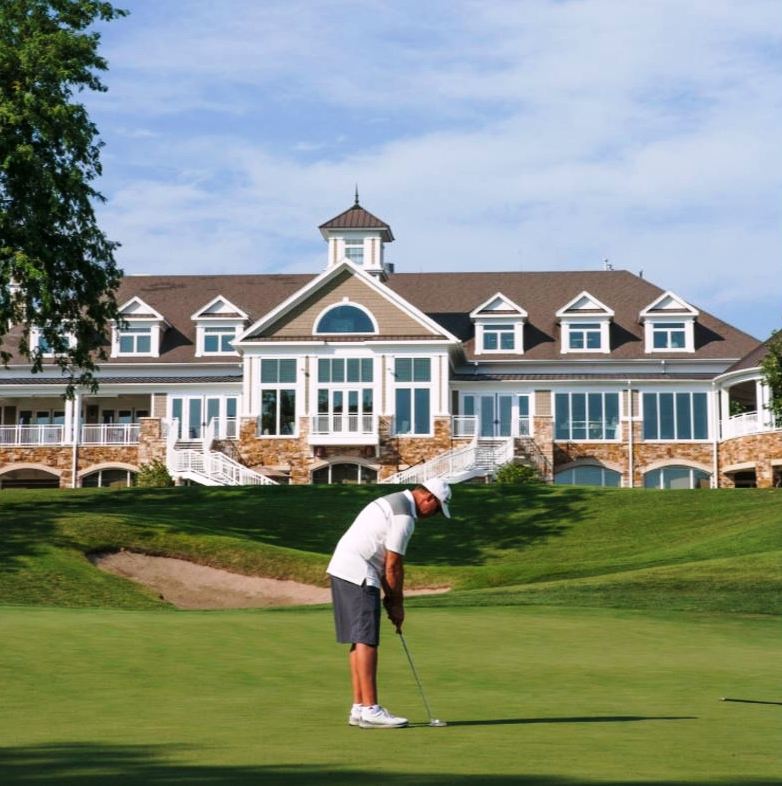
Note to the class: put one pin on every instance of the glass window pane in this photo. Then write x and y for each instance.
(506, 341)
(353, 402)
(489, 340)
(287, 411)
(403, 411)
(595, 427)
(660, 339)
(677, 477)
(403, 369)
(650, 416)
(344, 319)
(367, 401)
(126, 344)
(677, 339)
(683, 422)
(611, 415)
(287, 371)
(667, 430)
(269, 412)
(353, 366)
(366, 369)
(422, 370)
(700, 416)
(593, 340)
(422, 420)
(269, 371)
(230, 407)
(468, 404)
(338, 370)
(576, 339)
(227, 342)
(578, 410)
(143, 344)
(324, 371)
(652, 479)
(562, 416)
(323, 401)
(523, 406)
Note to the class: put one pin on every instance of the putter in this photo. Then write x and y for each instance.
(432, 721)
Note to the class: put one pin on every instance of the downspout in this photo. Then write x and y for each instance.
(631, 464)
(715, 432)
(76, 426)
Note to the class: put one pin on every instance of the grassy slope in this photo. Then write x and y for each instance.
(717, 550)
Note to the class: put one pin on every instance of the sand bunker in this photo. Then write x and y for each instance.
(189, 586)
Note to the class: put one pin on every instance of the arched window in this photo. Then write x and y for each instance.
(104, 478)
(676, 477)
(345, 474)
(589, 475)
(345, 318)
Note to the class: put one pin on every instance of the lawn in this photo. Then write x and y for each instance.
(588, 639)
(533, 695)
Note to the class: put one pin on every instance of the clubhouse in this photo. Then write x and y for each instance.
(361, 374)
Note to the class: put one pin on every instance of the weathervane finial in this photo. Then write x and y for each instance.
(356, 204)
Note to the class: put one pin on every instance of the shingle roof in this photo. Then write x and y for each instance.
(356, 217)
(752, 359)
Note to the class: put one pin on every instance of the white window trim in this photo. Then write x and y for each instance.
(518, 335)
(620, 427)
(154, 344)
(345, 302)
(689, 333)
(36, 334)
(677, 440)
(431, 386)
(235, 325)
(570, 323)
(296, 386)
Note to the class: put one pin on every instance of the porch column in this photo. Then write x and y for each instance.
(763, 399)
(68, 433)
(724, 414)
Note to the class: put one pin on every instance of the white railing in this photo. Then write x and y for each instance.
(748, 423)
(216, 469)
(464, 425)
(110, 434)
(452, 462)
(231, 428)
(343, 424)
(524, 427)
(32, 435)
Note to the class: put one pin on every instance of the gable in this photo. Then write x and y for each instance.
(219, 308)
(585, 304)
(669, 303)
(498, 305)
(392, 319)
(136, 308)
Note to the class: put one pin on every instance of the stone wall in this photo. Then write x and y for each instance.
(761, 451)
(151, 442)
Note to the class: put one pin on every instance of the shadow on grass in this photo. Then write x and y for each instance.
(94, 765)
(576, 719)
(311, 518)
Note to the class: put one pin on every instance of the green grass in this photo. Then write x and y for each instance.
(715, 550)
(557, 697)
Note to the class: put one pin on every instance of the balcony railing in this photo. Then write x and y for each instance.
(32, 435)
(467, 426)
(748, 423)
(343, 424)
(110, 434)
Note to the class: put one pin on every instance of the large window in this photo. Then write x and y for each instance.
(413, 406)
(499, 338)
(135, 340)
(278, 398)
(589, 475)
(585, 336)
(675, 416)
(345, 319)
(668, 335)
(588, 416)
(345, 395)
(354, 250)
(675, 477)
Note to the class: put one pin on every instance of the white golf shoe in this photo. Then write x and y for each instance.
(378, 717)
(354, 719)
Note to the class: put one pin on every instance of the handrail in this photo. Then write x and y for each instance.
(748, 423)
(538, 457)
(110, 433)
(216, 467)
(38, 434)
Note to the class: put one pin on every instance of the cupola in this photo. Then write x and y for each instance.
(359, 237)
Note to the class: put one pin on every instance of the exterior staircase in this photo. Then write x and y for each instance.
(197, 462)
(480, 457)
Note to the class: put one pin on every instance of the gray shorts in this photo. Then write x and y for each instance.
(356, 612)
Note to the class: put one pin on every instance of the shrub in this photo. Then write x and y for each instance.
(517, 473)
(154, 475)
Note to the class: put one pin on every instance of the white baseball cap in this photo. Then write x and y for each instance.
(442, 491)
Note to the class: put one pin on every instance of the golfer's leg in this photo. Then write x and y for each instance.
(355, 681)
(363, 662)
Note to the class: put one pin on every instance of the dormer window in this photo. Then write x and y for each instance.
(586, 324)
(499, 326)
(135, 340)
(587, 335)
(140, 332)
(48, 349)
(669, 324)
(346, 318)
(218, 324)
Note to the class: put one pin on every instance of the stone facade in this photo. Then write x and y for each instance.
(761, 452)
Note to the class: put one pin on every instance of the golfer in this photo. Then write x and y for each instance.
(370, 557)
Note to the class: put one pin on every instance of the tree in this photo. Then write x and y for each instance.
(57, 269)
(771, 368)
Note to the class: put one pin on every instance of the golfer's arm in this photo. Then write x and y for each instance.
(394, 577)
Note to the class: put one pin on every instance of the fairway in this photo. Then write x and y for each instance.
(533, 695)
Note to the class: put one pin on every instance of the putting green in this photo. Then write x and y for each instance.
(532, 695)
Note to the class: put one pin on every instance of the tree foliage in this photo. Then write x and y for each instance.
(57, 269)
(514, 474)
(771, 368)
(155, 474)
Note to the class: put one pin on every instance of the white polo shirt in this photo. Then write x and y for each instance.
(386, 524)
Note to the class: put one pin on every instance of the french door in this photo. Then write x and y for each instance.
(495, 415)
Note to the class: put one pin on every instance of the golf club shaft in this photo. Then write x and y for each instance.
(415, 674)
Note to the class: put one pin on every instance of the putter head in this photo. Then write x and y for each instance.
(438, 723)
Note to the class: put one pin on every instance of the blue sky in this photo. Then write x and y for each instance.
(526, 135)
